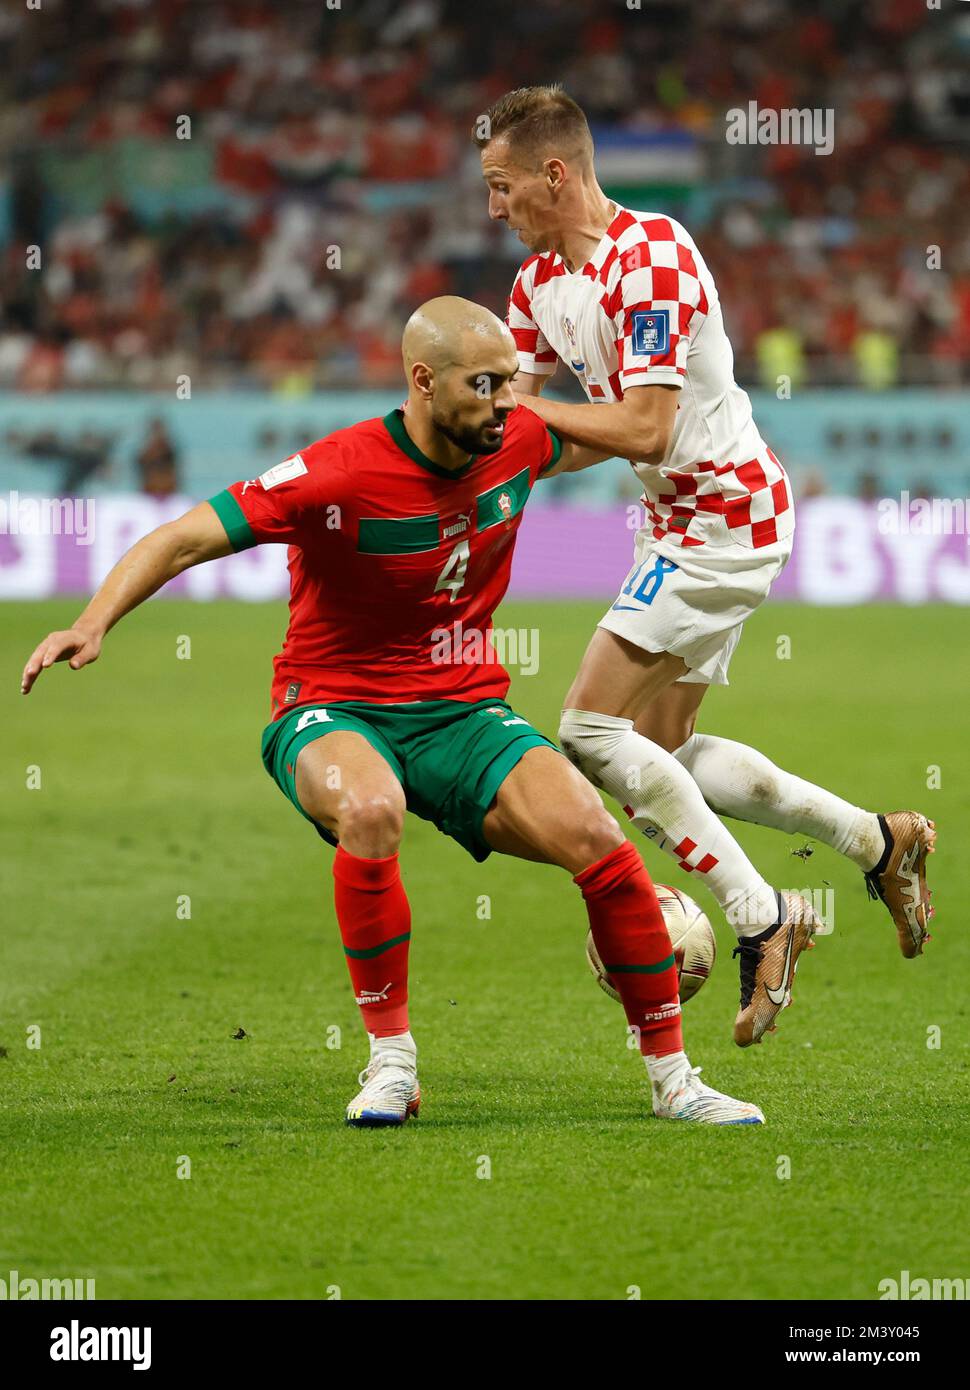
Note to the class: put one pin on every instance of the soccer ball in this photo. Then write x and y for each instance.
(691, 936)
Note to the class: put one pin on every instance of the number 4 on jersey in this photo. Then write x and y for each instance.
(452, 577)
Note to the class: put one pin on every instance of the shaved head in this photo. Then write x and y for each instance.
(445, 332)
(459, 360)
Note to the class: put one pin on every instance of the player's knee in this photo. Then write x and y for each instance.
(588, 740)
(596, 835)
(571, 735)
(673, 734)
(371, 825)
(687, 750)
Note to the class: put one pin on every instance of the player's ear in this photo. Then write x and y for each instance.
(423, 378)
(555, 174)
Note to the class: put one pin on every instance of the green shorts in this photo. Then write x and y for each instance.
(449, 756)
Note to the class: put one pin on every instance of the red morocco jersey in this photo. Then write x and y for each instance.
(396, 564)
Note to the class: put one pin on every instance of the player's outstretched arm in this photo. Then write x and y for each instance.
(573, 458)
(197, 536)
(638, 427)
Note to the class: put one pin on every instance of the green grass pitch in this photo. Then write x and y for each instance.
(152, 789)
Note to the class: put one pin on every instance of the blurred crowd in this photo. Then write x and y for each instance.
(325, 183)
(88, 453)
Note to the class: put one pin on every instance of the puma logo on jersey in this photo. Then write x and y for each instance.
(457, 527)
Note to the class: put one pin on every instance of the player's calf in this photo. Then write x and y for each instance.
(546, 810)
(630, 933)
(633, 943)
(375, 925)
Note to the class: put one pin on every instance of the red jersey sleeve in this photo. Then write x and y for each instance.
(542, 447)
(653, 304)
(283, 502)
(536, 357)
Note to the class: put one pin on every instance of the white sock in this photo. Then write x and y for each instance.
(663, 1070)
(666, 804)
(400, 1042)
(741, 782)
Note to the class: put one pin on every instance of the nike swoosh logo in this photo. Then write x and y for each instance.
(624, 608)
(777, 995)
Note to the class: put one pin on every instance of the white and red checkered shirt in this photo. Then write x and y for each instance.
(644, 311)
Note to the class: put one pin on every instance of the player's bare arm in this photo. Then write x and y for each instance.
(158, 557)
(574, 457)
(638, 427)
(529, 384)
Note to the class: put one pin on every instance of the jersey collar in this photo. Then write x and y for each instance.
(394, 424)
(607, 236)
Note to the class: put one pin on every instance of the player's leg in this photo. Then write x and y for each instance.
(351, 791)
(619, 679)
(545, 811)
(740, 782)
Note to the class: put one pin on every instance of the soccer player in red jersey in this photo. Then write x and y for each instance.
(627, 302)
(398, 530)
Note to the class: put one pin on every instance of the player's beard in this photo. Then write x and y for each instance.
(470, 440)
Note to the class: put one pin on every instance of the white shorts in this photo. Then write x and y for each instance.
(694, 605)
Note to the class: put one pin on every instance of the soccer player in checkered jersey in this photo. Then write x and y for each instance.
(626, 301)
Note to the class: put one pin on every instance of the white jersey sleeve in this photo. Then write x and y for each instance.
(658, 304)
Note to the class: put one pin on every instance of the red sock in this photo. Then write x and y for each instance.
(375, 924)
(634, 946)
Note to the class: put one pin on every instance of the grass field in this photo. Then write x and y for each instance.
(152, 788)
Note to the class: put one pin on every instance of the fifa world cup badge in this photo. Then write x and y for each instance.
(505, 507)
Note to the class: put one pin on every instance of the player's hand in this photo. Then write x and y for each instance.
(74, 646)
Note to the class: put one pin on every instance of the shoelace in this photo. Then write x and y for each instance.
(377, 1063)
(695, 1092)
(750, 954)
(689, 1083)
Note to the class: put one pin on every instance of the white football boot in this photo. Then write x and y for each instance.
(389, 1084)
(685, 1097)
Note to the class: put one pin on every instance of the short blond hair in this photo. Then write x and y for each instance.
(538, 122)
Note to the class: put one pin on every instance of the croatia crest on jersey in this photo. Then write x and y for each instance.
(575, 360)
(651, 333)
